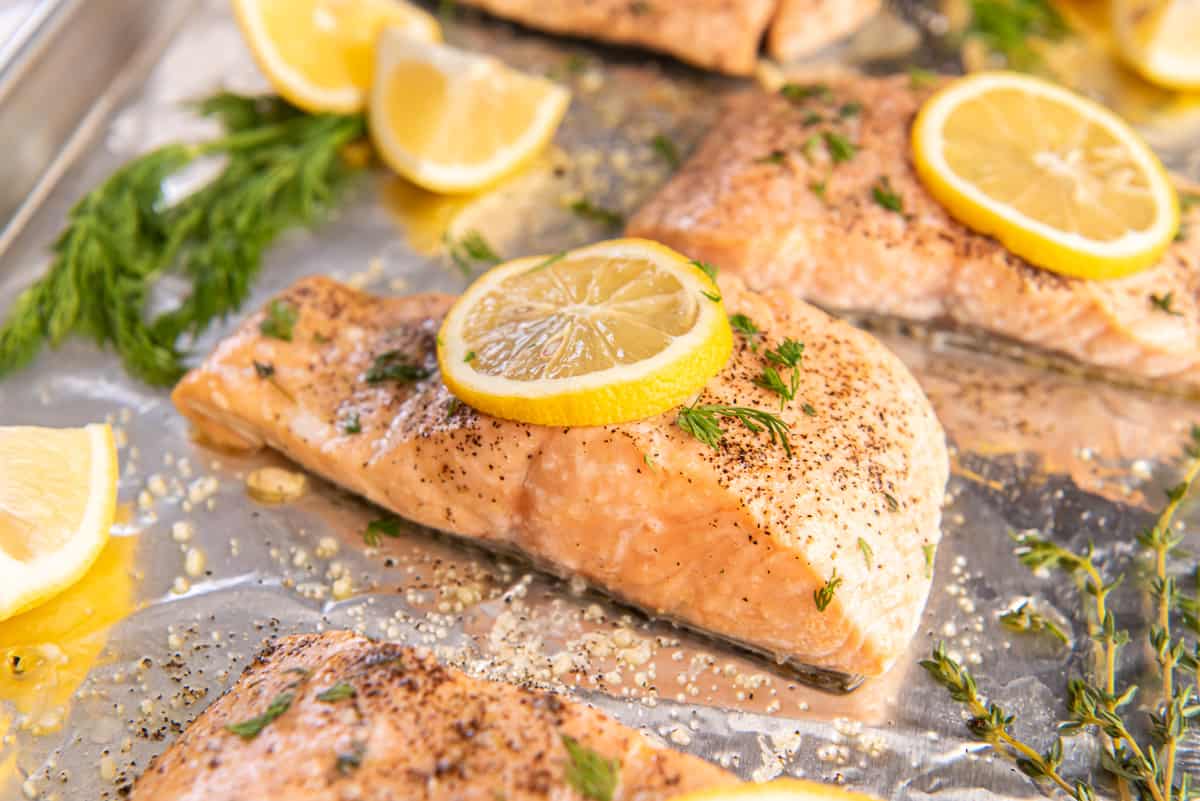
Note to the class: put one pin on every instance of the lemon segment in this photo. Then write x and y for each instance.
(319, 54)
(1159, 38)
(617, 331)
(58, 490)
(1059, 180)
(453, 121)
(778, 790)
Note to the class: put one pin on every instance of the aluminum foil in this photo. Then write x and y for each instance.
(213, 572)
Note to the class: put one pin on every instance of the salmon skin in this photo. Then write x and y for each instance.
(722, 35)
(764, 198)
(369, 720)
(734, 542)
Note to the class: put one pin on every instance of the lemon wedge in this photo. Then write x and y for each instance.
(616, 331)
(1159, 39)
(1059, 180)
(778, 790)
(319, 53)
(452, 121)
(58, 492)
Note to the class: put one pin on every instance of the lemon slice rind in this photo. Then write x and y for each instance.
(1165, 55)
(1045, 246)
(458, 67)
(26, 584)
(615, 394)
(777, 790)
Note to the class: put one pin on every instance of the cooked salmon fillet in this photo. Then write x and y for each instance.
(733, 541)
(762, 198)
(716, 34)
(803, 26)
(404, 727)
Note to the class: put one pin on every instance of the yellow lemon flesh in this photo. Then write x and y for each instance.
(616, 331)
(778, 790)
(1059, 180)
(452, 121)
(319, 54)
(1159, 39)
(58, 490)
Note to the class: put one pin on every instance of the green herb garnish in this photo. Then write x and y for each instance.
(799, 92)
(920, 78)
(282, 168)
(885, 196)
(249, 729)
(469, 251)
(1024, 618)
(280, 320)
(350, 761)
(351, 425)
(840, 148)
(747, 328)
(930, 551)
(868, 554)
(589, 773)
(774, 157)
(590, 211)
(824, 596)
(384, 526)
(666, 150)
(787, 355)
(338, 692)
(851, 109)
(264, 370)
(1164, 303)
(818, 188)
(706, 268)
(715, 297)
(809, 410)
(557, 257)
(1140, 768)
(1007, 26)
(892, 504)
(470, 357)
(703, 423)
(391, 366)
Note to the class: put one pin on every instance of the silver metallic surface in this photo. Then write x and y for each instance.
(1032, 450)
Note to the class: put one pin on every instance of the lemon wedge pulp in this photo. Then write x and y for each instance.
(616, 331)
(1159, 39)
(58, 491)
(319, 53)
(1060, 180)
(453, 121)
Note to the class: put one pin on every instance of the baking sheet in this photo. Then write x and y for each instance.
(1031, 449)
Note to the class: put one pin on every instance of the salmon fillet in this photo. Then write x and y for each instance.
(804, 26)
(761, 201)
(412, 729)
(716, 34)
(733, 542)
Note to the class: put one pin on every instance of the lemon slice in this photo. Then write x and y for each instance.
(1059, 180)
(778, 790)
(453, 121)
(613, 332)
(58, 491)
(1159, 39)
(319, 53)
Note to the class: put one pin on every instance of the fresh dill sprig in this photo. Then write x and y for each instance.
(703, 422)
(590, 211)
(391, 366)
(282, 168)
(747, 328)
(708, 269)
(1143, 769)
(1164, 303)
(338, 692)
(471, 250)
(823, 596)
(350, 424)
(884, 195)
(381, 527)
(774, 157)
(787, 355)
(589, 773)
(664, 146)
(1024, 618)
(868, 554)
(1007, 26)
(279, 321)
(800, 92)
(252, 727)
(840, 148)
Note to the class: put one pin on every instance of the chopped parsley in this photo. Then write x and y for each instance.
(824, 596)
(590, 211)
(1164, 303)
(885, 196)
(390, 366)
(590, 774)
(280, 320)
(338, 692)
(666, 150)
(384, 526)
(251, 728)
(840, 148)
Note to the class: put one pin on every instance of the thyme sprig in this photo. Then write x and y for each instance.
(1142, 769)
(1024, 618)
(282, 168)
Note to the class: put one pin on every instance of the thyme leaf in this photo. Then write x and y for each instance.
(338, 692)
(252, 727)
(1024, 618)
